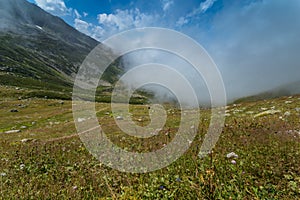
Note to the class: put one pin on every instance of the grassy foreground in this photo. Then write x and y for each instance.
(45, 159)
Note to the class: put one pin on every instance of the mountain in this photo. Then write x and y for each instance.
(39, 50)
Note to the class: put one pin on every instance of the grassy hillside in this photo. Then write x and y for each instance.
(46, 159)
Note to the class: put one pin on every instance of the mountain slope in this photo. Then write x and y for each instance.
(38, 50)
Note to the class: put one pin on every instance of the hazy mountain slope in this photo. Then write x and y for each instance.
(284, 90)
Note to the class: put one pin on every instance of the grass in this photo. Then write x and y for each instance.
(54, 163)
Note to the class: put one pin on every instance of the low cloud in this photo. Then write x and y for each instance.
(256, 46)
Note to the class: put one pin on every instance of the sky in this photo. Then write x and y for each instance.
(255, 43)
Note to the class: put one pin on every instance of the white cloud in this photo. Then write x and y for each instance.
(89, 29)
(82, 26)
(166, 4)
(55, 7)
(77, 14)
(122, 20)
(85, 14)
(182, 21)
(204, 6)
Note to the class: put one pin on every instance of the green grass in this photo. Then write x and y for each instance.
(56, 165)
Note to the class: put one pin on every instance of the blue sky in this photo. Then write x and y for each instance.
(102, 18)
(255, 43)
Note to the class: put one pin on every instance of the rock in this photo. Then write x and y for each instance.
(232, 155)
(12, 131)
(268, 112)
(81, 120)
(287, 113)
(23, 127)
(140, 120)
(297, 109)
(26, 140)
(119, 118)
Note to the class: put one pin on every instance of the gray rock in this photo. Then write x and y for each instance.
(12, 131)
(119, 118)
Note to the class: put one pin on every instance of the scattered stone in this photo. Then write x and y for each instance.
(12, 131)
(119, 118)
(232, 155)
(23, 127)
(22, 166)
(268, 112)
(140, 120)
(233, 162)
(287, 113)
(288, 102)
(2, 174)
(297, 109)
(25, 140)
(81, 120)
(107, 113)
(33, 123)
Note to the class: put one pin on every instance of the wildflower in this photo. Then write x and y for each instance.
(161, 187)
(232, 155)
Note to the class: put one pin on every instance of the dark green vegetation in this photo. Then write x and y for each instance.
(46, 159)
